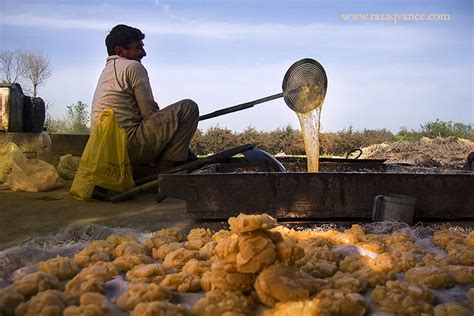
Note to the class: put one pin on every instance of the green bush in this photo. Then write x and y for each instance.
(445, 129)
(286, 140)
(407, 135)
(290, 141)
(282, 140)
(214, 140)
(76, 121)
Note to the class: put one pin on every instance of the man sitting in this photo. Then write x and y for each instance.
(154, 135)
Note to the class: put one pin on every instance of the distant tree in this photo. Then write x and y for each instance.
(54, 125)
(404, 134)
(76, 121)
(38, 69)
(78, 118)
(440, 128)
(12, 67)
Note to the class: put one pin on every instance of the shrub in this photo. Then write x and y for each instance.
(76, 121)
(445, 129)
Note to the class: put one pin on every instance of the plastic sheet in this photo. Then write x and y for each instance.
(67, 166)
(7, 156)
(17, 261)
(30, 175)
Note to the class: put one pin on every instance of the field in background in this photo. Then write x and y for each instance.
(435, 144)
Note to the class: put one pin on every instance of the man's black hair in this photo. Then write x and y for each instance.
(122, 35)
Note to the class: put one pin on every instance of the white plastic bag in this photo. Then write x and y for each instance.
(67, 166)
(7, 155)
(32, 175)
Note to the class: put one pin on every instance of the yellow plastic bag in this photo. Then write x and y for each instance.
(105, 167)
(7, 156)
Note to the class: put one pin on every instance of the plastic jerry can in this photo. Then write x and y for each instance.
(11, 107)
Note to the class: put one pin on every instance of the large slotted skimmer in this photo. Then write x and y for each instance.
(304, 88)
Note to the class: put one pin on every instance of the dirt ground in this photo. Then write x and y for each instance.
(26, 215)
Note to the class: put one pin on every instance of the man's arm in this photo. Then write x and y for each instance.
(140, 84)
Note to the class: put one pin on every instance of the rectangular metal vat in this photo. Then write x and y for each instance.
(324, 195)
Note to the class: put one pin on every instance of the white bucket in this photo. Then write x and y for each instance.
(394, 206)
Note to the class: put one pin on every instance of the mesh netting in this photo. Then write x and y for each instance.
(66, 242)
(17, 261)
(305, 85)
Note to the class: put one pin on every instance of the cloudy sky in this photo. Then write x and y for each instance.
(388, 72)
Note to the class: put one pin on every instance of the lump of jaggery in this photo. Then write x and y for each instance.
(82, 284)
(178, 258)
(469, 240)
(353, 263)
(141, 293)
(431, 276)
(9, 300)
(129, 248)
(446, 238)
(118, 239)
(281, 283)
(289, 251)
(219, 302)
(293, 308)
(256, 251)
(208, 250)
(319, 254)
(182, 282)
(98, 250)
(161, 252)
(36, 282)
(160, 308)
(400, 262)
(461, 274)
(225, 278)
(451, 309)
(197, 238)
(169, 232)
(196, 267)
(222, 234)
(91, 304)
(470, 297)
(396, 238)
(345, 282)
(101, 269)
(460, 254)
(341, 303)
(125, 263)
(249, 223)
(155, 242)
(404, 246)
(146, 273)
(227, 250)
(61, 267)
(355, 230)
(49, 302)
(374, 277)
(199, 233)
(404, 298)
(314, 243)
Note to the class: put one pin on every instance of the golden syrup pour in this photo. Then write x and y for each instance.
(310, 126)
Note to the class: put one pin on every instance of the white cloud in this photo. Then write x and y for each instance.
(373, 81)
(169, 24)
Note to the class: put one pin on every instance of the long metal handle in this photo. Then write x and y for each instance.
(193, 165)
(240, 107)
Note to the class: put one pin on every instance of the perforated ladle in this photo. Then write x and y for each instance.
(304, 89)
